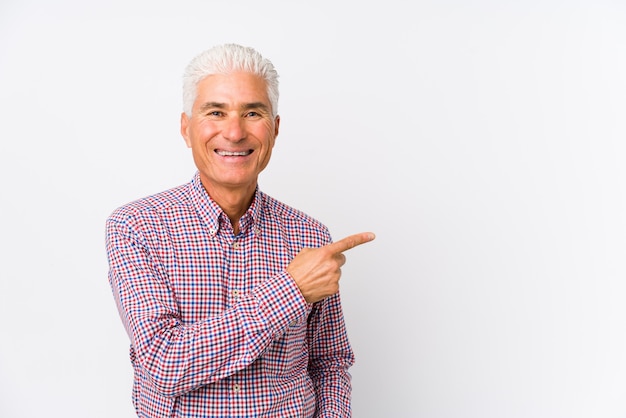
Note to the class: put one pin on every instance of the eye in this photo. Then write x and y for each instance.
(215, 113)
(253, 114)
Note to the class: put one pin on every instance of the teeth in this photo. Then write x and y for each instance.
(233, 154)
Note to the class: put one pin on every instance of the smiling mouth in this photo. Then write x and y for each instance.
(233, 153)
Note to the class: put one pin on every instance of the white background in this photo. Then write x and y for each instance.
(483, 142)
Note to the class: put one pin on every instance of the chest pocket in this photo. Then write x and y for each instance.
(288, 355)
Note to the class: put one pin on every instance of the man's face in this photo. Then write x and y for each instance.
(231, 131)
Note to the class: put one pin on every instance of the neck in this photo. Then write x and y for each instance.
(233, 201)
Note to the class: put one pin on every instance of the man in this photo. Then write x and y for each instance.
(230, 297)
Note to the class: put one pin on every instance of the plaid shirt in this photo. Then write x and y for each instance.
(217, 326)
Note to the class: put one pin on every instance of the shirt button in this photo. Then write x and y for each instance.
(212, 231)
(236, 245)
(235, 293)
(236, 388)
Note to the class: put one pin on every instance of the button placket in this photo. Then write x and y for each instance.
(237, 262)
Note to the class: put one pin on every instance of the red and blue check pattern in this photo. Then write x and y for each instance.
(217, 326)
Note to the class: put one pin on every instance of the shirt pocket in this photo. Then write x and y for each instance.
(288, 354)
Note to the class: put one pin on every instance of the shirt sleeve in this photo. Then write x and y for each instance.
(177, 357)
(330, 358)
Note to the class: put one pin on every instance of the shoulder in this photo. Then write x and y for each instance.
(289, 213)
(294, 219)
(152, 206)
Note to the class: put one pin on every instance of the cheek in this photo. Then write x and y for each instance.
(202, 132)
(265, 157)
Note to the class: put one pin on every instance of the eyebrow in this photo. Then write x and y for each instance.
(246, 106)
(212, 105)
(256, 105)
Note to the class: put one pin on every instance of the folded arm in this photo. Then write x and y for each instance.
(180, 357)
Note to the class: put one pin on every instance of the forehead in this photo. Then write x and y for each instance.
(233, 88)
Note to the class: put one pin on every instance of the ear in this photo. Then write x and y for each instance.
(276, 125)
(184, 128)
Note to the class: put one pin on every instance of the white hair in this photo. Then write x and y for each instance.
(225, 59)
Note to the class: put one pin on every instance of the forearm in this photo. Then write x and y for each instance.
(179, 358)
(330, 358)
(333, 393)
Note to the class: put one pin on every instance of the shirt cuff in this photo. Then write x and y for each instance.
(281, 302)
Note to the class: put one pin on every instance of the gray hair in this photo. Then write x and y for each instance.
(225, 59)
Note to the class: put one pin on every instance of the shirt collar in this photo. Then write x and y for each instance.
(211, 213)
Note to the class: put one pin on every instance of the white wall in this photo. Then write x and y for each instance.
(483, 141)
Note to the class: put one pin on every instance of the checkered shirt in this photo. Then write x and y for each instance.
(217, 327)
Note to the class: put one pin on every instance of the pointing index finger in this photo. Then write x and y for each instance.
(351, 241)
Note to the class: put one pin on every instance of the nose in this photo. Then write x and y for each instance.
(234, 129)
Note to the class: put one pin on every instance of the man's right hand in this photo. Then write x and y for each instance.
(317, 271)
